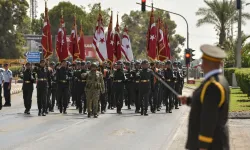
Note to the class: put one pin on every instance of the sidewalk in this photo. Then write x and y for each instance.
(239, 134)
(15, 88)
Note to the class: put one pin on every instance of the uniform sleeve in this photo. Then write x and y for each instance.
(10, 74)
(212, 98)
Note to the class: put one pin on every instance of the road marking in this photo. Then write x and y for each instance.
(42, 138)
(60, 130)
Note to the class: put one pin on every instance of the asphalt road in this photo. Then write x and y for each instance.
(74, 131)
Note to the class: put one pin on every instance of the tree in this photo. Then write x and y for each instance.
(12, 19)
(221, 14)
(137, 24)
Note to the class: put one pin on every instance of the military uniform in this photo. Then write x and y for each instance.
(62, 76)
(43, 83)
(52, 91)
(135, 88)
(94, 86)
(118, 87)
(177, 83)
(208, 117)
(81, 89)
(146, 87)
(104, 96)
(28, 80)
(129, 85)
(168, 95)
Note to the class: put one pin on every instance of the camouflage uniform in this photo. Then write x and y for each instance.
(94, 87)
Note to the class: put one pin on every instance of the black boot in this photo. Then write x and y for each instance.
(43, 114)
(39, 113)
(145, 113)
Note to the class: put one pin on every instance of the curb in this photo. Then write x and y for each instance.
(16, 91)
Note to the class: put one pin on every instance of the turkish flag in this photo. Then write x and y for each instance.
(152, 43)
(110, 40)
(74, 47)
(117, 41)
(46, 37)
(167, 44)
(161, 44)
(81, 46)
(61, 43)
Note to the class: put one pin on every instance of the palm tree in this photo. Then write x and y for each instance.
(221, 14)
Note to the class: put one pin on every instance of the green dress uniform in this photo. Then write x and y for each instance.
(208, 117)
(94, 87)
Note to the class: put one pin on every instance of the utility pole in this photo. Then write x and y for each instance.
(239, 42)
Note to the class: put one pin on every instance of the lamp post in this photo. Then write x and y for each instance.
(182, 18)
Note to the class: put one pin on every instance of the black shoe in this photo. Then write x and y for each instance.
(129, 107)
(25, 111)
(43, 114)
(145, 114)
(158, 109)
(141, 112)
(7, 105)
(179, 104)
(89, 115)
(64, 112)
(46, 112)
(95, 116)
(137, 111)
(109, 107)
(39, 113)
(176, 107)
(52, 110)
(28, 112)
(170, 111)
(102, 112)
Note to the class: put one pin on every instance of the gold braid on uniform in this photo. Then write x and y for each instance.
(220, 87)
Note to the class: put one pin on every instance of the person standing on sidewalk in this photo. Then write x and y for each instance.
(1, 82)
(208, 117)
(7, 77)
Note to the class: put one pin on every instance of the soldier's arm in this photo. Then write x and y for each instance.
(212, 98)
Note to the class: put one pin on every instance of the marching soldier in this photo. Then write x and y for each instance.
(75, 79)
(168, 76)
(52, 91)
(43, 83)
(109, 84)
(94, 86)
(118, 86)
(135, 88)
(181, 76)
(81, 86)
(154, 97)
(177, 84)
(128, 85)
(146, 86)
(28, 81)
(104, 96)
(208, 127)
(73, 82)
(62, 77)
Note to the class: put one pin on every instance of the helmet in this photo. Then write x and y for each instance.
(168, 62)
(52, 63)
(94, 65)
(83, 63)
(145, 61)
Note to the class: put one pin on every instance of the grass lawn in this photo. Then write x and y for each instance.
(239, 102)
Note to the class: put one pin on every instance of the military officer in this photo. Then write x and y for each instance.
(146, 86)
(62, 77)
(128, 84)
(179, 65)
(43, 83)
(76, 78)
(52, 92)
(28, 80)
(118, 86)
(104, 96)
(94, 86)
(208, 129)
(168, 76)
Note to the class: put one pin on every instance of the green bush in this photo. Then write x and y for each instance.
(243, 79)
(228, 74)
(15, 70)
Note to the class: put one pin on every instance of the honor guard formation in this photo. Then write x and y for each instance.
(92, 87)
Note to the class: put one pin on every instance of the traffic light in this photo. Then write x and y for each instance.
(192, 54)
(143, 5)
(187, 56)
(238, 4)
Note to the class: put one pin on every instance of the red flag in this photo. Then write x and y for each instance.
(81, 45)
(74, 47)
(61, 43)
(161, 44)
(168, 50)
(46, 37)
(117, 41)
(151, 48)
(110, 40)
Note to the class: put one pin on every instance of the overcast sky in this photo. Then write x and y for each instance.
(187, 8)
